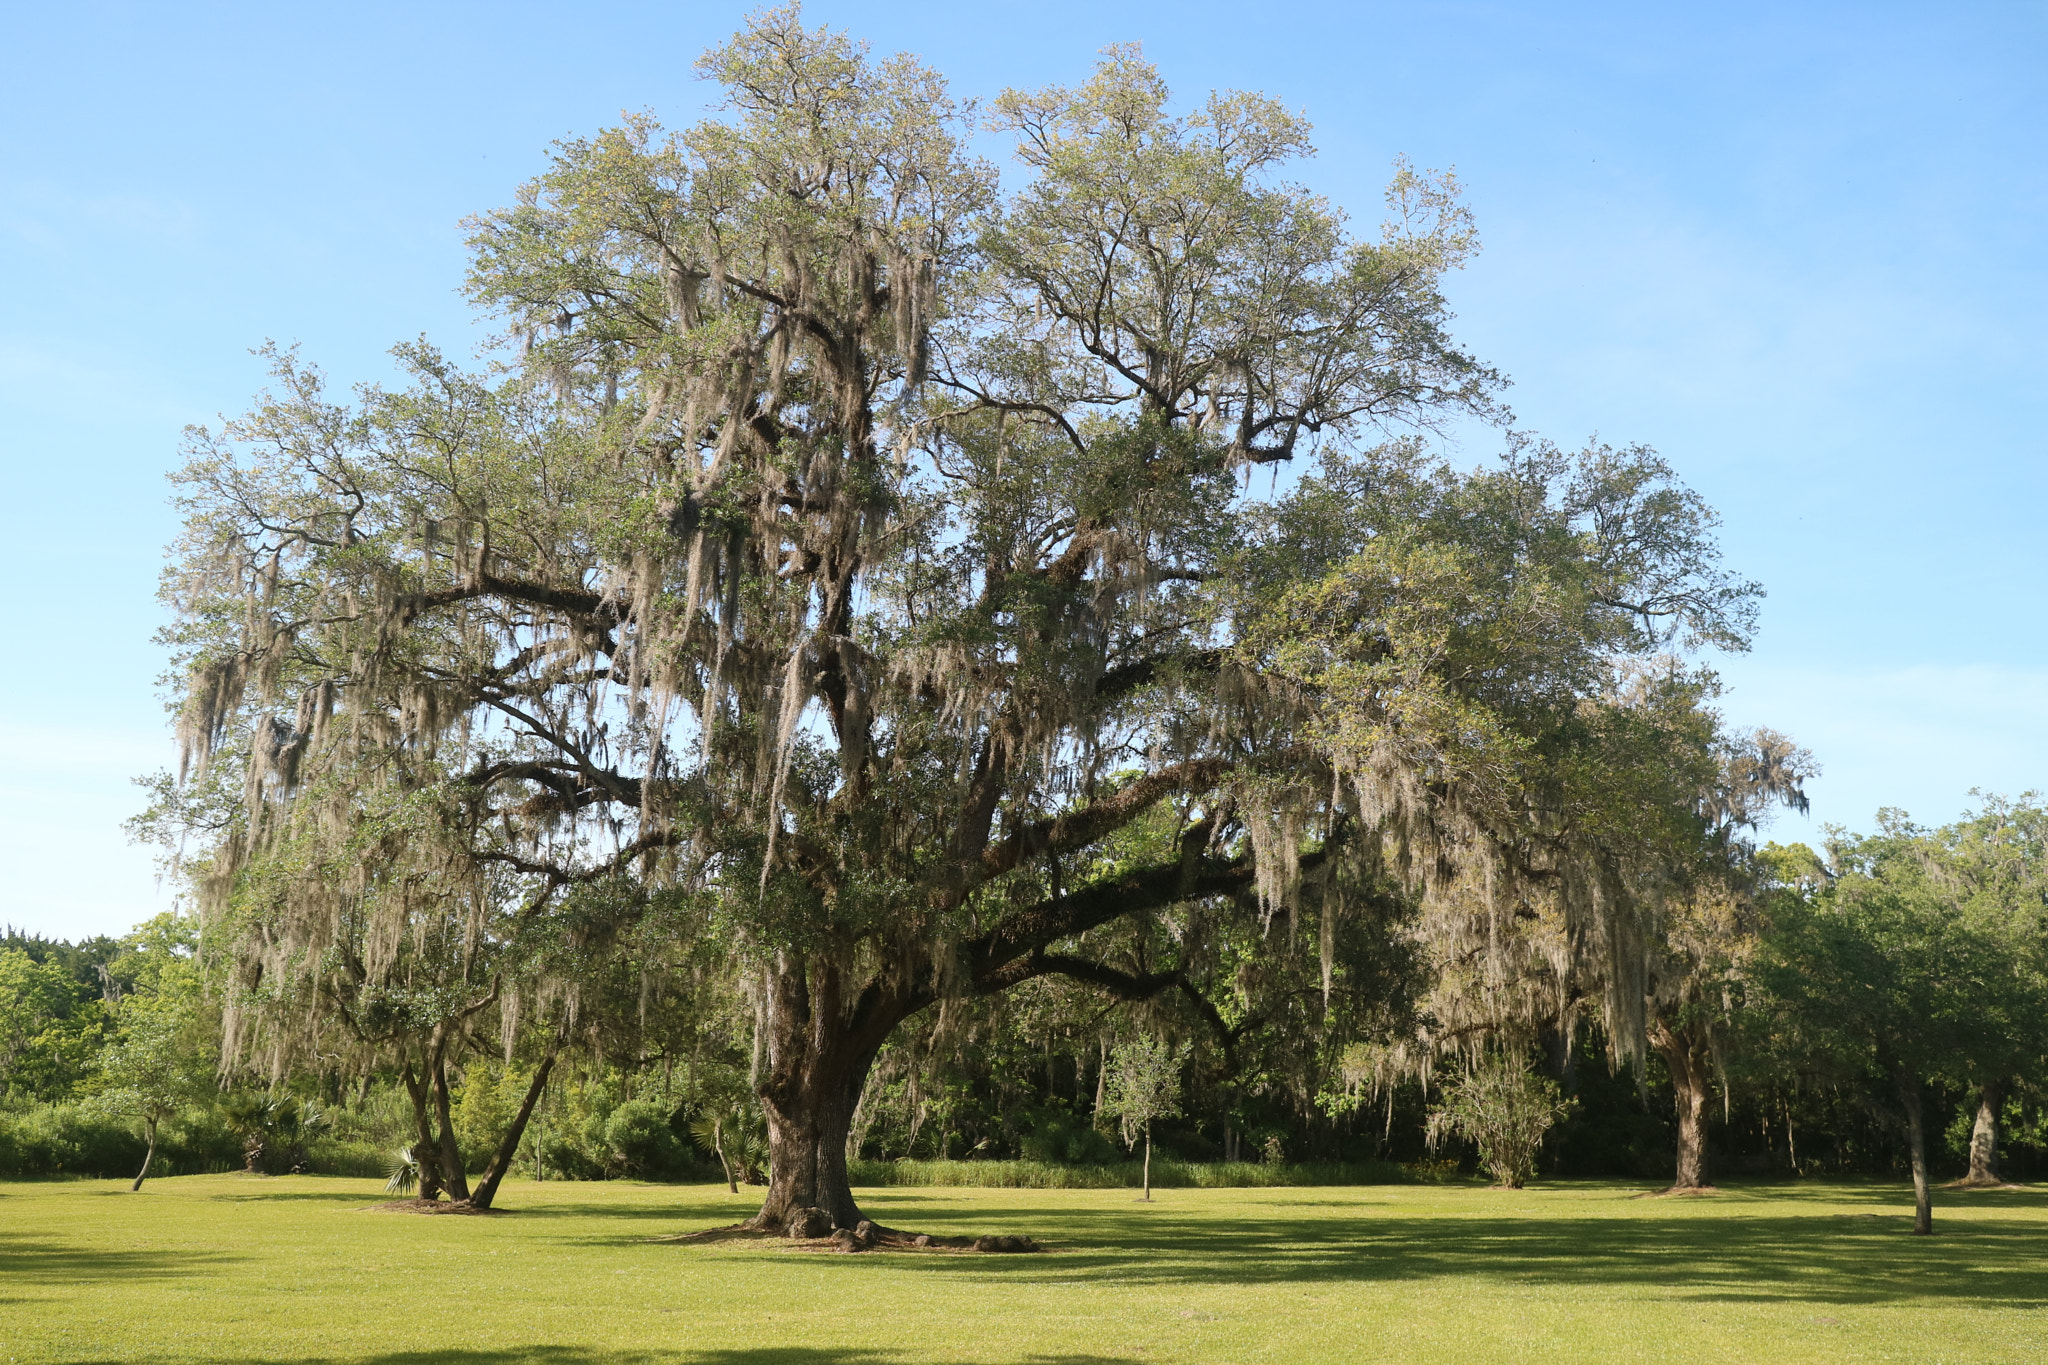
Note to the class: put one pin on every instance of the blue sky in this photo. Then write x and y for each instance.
(1800, 249)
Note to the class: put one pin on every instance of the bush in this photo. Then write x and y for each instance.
(564, 1158)
(68, 1140)
(642, 1141)
(1504, 1109)
(1063, 1139)
(331, 1156)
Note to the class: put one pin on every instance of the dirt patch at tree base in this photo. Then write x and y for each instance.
(458, 1206)
(1679, 1192)
(1967, 1184)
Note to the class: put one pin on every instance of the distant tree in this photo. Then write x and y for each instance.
(150, 1070)
(1881, 976)
(1993, 867)
(1144, 1086)
(51, 1023)
(1502, 1107)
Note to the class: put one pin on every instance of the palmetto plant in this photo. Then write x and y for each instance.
(405, 1173)
(274, 1130)
(735, 1132)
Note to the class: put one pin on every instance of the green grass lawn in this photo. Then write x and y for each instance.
(232, 1269)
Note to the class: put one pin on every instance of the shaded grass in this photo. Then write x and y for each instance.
(230, 1270)
(1167, 1174)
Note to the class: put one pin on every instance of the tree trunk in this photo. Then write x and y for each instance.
(1984, 1136)
(820, 1046)
(452, 1173)
(1148, 1163)
(1791, 1142)
(1916, 1142)
(149, 1122)
(487, 1189)
(423, 1144)
(1686, 1058)
(718, 1148)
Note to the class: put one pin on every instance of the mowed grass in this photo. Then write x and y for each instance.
(231, 1269)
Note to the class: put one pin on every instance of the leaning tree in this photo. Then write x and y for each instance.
(866, 570)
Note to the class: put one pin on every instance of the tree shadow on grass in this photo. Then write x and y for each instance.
(515, 1355)
(25, 1261)
(355, 1197)
(655, 1213)
(1750, 1257)
(581, 1355)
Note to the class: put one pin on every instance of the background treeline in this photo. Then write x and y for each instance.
(1911, 952)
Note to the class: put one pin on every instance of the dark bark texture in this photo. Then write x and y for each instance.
(1689, 1060)
(820, 1047)
(508, 1147)
(1984, 1136)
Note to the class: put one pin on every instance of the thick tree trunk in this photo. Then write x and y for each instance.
(452, 1173)
(508, 1148)
(820, 1046)
(1916, 1142)
(1984, 1136)
(423, 1144)
(1686, 1057)
(149, 1122)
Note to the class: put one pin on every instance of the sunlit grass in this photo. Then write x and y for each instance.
(231, 1269)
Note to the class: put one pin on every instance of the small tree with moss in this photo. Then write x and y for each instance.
(1503, 1108)
(1144, 1084)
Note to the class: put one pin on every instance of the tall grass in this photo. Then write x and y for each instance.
(1167, 1173)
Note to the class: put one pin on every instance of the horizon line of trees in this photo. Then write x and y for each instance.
(1896, 970)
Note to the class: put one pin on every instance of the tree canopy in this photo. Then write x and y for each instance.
(850, 576)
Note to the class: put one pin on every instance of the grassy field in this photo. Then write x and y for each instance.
(231, 1269)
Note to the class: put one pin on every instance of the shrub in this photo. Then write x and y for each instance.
(641, 1140)
(1061, 1138)
(1503, 1108)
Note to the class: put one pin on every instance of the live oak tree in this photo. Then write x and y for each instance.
(858, 573)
